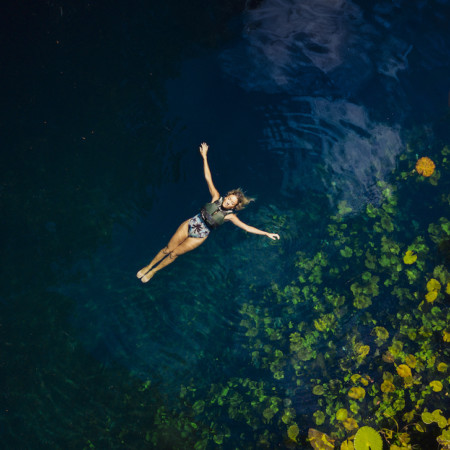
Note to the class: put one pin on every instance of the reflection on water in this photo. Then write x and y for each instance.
(332, 147)
(334, 47)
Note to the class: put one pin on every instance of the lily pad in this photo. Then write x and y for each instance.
(350, 424)
(404, 371)
(411, 361)
(341, 414)
(410, 257)
(433, 285)
(387, 386)
(319, 440)
(436, 385)
(357, 392)
(431, 296)
(367, 438)
(293, 431)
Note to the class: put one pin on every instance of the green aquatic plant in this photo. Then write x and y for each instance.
(319, 440)
(293, 432)
(367, 438)
(289, 351)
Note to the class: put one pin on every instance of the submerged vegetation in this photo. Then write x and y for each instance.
(369, 359)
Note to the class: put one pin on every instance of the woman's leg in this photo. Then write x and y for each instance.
(180, 235)
(186, 246)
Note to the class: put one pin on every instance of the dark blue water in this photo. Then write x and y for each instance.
(320, 110)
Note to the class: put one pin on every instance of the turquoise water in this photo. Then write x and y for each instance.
(319, 109)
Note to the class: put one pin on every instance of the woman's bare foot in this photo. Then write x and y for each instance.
(147, 277)
(142, 272)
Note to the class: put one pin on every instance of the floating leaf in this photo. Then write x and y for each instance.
(436, 386)
(446, 336)
(442, 422)
(404, 438)
(442, 367)
(388, 376)
(293, 431)
(444, 439)
(410, 257)
(387, 386)
(367, 438)
(427, 417)
(433, 285)
(388, 357)
(319, 440)
(357, 392)
(355, 377)
(319, 417)
(288, 416)
(350, 424)
(431, 296)
(364, 381)
(341, 414)
(198, 406)
(447, 289)
(404, 371)
(411, 361)
(363, 350)
(420, 428)
(346, 252)
(347, 445)
(318, 390)
(408, 417)
(425, 166)
(381, 333)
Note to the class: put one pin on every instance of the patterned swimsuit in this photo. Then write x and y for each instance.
(198, 227)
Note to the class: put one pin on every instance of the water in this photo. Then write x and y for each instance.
(320, 110)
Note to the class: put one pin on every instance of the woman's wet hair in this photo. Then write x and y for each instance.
(243, 201)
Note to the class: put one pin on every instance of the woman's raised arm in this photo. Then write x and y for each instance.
(212, 189)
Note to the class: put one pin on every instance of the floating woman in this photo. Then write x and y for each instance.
(193, 232)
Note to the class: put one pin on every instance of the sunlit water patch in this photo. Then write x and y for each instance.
(332, 147)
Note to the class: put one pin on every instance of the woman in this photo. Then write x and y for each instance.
(193, 232)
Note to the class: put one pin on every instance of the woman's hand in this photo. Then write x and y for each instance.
(273, 236)
(203, 149)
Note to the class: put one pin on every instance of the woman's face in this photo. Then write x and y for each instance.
(230, 201)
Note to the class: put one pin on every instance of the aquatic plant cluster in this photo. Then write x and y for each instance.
(379, 286)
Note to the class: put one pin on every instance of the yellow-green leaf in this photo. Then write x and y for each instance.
(347, 445)
(319, 440)
(436, 386)
(293, 431)
(357, 392)
(341, 414)
(387, 386)
(410, 257)
(404, 371)
(431, 296)
(368, 438)
(433, 285)
(411, 361)
(350, 424)
(381, 333)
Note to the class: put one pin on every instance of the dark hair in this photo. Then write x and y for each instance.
(243, 201)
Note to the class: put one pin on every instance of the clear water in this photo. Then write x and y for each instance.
(318, 109)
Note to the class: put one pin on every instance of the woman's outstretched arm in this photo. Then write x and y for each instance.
(212, 189)
(248, 228)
